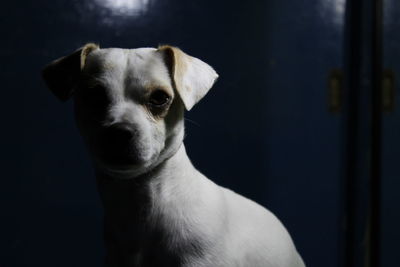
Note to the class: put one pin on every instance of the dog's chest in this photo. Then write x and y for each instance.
(149, 229)
(155, 244)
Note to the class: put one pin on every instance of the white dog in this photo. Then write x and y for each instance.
(160, 210)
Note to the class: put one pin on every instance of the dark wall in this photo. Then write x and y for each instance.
(390, 215)
(264, 130)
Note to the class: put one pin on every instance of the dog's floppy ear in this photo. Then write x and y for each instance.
(192, 77)
(61, 75)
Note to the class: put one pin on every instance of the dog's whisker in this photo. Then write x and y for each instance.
(193, 122)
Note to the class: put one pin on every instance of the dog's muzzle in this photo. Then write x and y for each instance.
(116, 145)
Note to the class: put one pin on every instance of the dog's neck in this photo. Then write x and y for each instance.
(135, 210)
(120, 196)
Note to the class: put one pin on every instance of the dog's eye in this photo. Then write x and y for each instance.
(159, 98)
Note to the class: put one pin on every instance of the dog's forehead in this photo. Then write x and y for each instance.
(143, 66)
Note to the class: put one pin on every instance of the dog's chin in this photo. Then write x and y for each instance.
(125, 167)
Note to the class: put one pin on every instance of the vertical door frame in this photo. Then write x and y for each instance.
(363, 46)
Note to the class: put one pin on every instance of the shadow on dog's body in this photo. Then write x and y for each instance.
(159, 210)
(185, 219)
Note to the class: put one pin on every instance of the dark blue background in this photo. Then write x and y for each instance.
(390, 140)
(264, 130)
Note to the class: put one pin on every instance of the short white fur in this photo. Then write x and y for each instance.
(199, 223)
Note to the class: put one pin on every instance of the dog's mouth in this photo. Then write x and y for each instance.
(116, 146)
(119, 155)
(122, 153)
(119, 159)
(122, 167)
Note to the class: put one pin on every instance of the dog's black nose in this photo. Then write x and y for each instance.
(117, 141)
(120, 133)
(117, 144)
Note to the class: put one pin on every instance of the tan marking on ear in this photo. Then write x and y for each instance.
(62, 75)
(178, 65)
(86, 49)
(191, 77)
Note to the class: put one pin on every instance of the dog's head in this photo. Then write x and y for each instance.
(129, 103)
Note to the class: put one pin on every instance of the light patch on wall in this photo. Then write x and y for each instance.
(389, 13)
(125, 7)
(333, 10)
